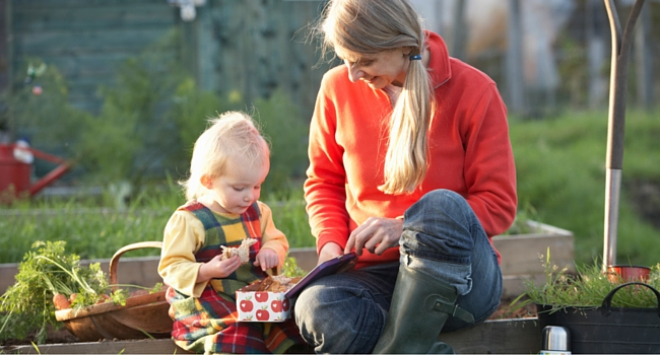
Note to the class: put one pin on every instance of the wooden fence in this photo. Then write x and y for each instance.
(251, 46)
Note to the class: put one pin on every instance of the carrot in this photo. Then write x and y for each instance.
(61, 302)
(103, 298)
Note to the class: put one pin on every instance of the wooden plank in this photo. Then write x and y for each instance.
(115, 38)
(518, 261)
(522, 255)
(141, 271)
(93, 64)
(151, 346)
(508, 336)
(68, 19)
(306, 258)
(513, 285)
(57, 4)
(87, 40)
(7, 276)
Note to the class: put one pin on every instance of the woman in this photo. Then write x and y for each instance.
(410, 167)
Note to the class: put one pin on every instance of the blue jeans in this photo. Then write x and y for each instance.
(346, 313)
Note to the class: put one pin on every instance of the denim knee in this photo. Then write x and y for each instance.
(440, 226)
(337, 322)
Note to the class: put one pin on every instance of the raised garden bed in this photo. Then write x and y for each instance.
(520, 259)
(521, 255)
(506, 336)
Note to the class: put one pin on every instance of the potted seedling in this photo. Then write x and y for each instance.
(603, 311)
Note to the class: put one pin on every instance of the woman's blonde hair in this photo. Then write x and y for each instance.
(232, 134)
(373, 26)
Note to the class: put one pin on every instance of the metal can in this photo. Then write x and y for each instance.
(555, 340)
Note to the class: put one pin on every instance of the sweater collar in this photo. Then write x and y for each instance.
(439, 67)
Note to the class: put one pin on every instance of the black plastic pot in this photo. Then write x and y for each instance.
(607, 329)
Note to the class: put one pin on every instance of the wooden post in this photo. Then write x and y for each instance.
(459, 41)
(206, 49)
(597, 85)
(644, 60)
(514, 60)
(6, 73)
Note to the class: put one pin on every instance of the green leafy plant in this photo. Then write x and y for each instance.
(48, 275)
(291, 268)
(521, 222)
(586, 288)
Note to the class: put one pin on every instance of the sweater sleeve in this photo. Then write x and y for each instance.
(489, 164)
(325, 192)
(271, 237)
(183, 236)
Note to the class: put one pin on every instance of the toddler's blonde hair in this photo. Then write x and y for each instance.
(232, 134)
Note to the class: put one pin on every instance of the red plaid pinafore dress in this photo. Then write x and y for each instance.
(209, 323)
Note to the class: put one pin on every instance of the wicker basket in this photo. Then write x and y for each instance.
(143, 316)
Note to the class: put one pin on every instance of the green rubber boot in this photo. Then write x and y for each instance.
(420, 307)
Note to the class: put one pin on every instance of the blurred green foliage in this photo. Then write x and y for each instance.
(282, 124)
(150, 119)
(148, 123)
(560, 166)
(96, 231)
(46, 118)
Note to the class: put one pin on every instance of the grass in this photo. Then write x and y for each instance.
(561, 173)
(561, 181)
(95, 232)
(587, 288)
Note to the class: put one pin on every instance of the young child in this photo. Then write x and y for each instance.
(230, 161)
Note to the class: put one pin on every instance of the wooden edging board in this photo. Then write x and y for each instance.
(521, 258)
(506, 336)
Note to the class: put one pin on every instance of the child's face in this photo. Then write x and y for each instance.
(238, 188)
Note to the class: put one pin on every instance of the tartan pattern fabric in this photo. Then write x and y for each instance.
(209, 323)
(229, 232)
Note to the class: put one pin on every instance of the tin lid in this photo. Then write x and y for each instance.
(555, 338)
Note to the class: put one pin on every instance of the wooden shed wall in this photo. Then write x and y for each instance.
(257, 46)
(86, 39)
(248, 45)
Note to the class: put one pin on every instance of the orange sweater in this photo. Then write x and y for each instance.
(470, 152)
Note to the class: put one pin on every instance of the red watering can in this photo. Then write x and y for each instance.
(15, 172)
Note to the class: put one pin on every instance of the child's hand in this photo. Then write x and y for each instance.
(267, 258)
(217, 268)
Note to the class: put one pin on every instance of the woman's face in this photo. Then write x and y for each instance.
(377, 70)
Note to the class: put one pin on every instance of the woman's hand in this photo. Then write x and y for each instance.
(330, 251)
(217, 268)
(376, 234)
(267, 259)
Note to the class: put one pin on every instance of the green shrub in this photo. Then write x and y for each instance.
(51, 124)
(133, 133)
(148, 123)
(287, 131)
